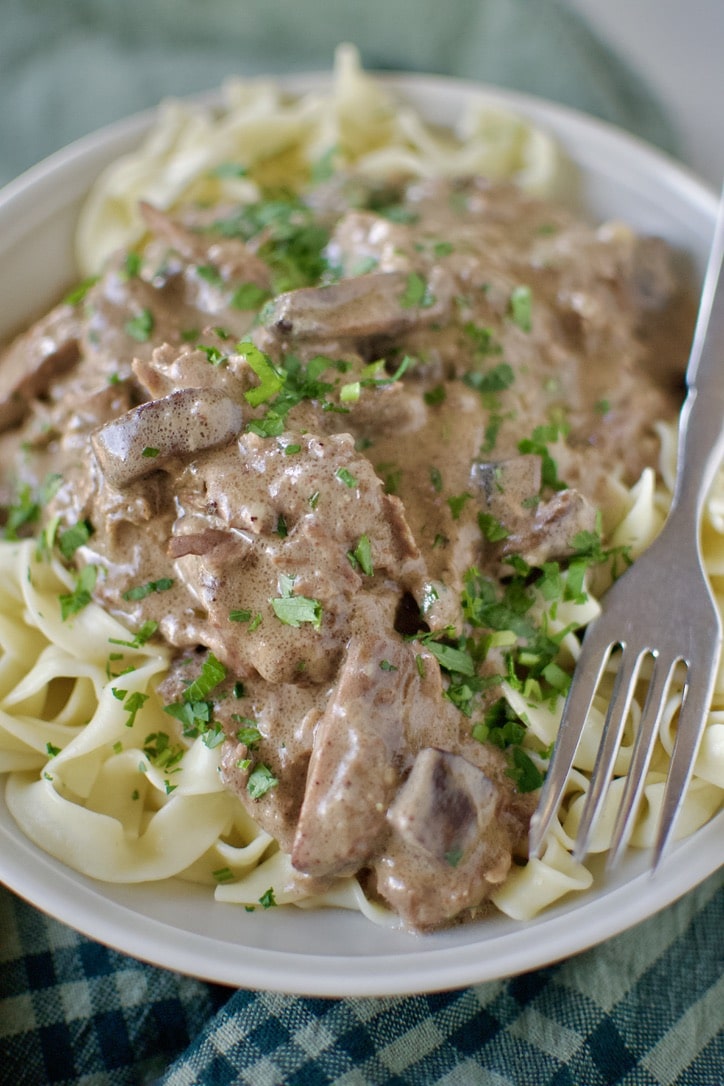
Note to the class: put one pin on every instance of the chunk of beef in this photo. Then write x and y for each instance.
(171, 368)
(377, 715)
(202, 248)
(290, 524)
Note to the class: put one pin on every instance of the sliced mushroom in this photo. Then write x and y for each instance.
(30, 363)
(445, 805)
(382, 304)
(553, 528)
(537, 530)
(508, 487)
(148, 436)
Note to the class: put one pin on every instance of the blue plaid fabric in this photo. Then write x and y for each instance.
(643, 1009)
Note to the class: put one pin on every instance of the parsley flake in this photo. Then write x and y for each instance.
(141, 326)
(261, 780)
(73, 602)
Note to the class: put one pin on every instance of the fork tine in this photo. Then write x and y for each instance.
(618, 710)
(692, 717)
(578, 703)
(643, 749)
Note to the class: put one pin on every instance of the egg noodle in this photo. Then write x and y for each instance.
(91, 776)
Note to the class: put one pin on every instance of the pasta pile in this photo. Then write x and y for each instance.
(92, 777)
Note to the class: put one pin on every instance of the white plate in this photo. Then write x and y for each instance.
(178, 925)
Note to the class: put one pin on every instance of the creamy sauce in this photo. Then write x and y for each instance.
(296, 483)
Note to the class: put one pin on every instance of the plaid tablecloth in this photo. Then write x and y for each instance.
(643, 1009)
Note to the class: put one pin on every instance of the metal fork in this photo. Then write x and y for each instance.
(662, 609)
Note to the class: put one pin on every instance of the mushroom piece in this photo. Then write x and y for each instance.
(444, 806)
(49, 349)
(537, 530)
(509, 487)
(381, 304)
(145, 438)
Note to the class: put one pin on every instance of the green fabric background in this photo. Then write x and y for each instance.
(70, 66)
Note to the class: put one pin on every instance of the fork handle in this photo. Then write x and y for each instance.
(701, 424)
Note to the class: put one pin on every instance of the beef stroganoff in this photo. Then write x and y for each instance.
(327, 465)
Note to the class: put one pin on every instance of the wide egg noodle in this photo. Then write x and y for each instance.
(80, 785)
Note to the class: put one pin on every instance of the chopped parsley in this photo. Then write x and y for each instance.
(212, 673)
(229, 171)
(417, 293)
(296, 610)
(523, 770)
(223, 874)
(26, 508)
(132, 264)
(361, 556)
(132, 704)
(346, 477)
(242, 614)
(496, 379)
(435, 396)
(297, 382)
(451, 658)
(73, 602)
(482, 338)
(141, 326)
(260, 781)
(537, 443)
(195, 712)
(79, 292)
(210, 274)
(144, 634)
(491, 528)
(161, 752)
(294, 243)
(213, 354)
(74, 537)
(140, 591)
(247, 733)
(457, 503)
(521, 307)
(270, 380)
(249, 296)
